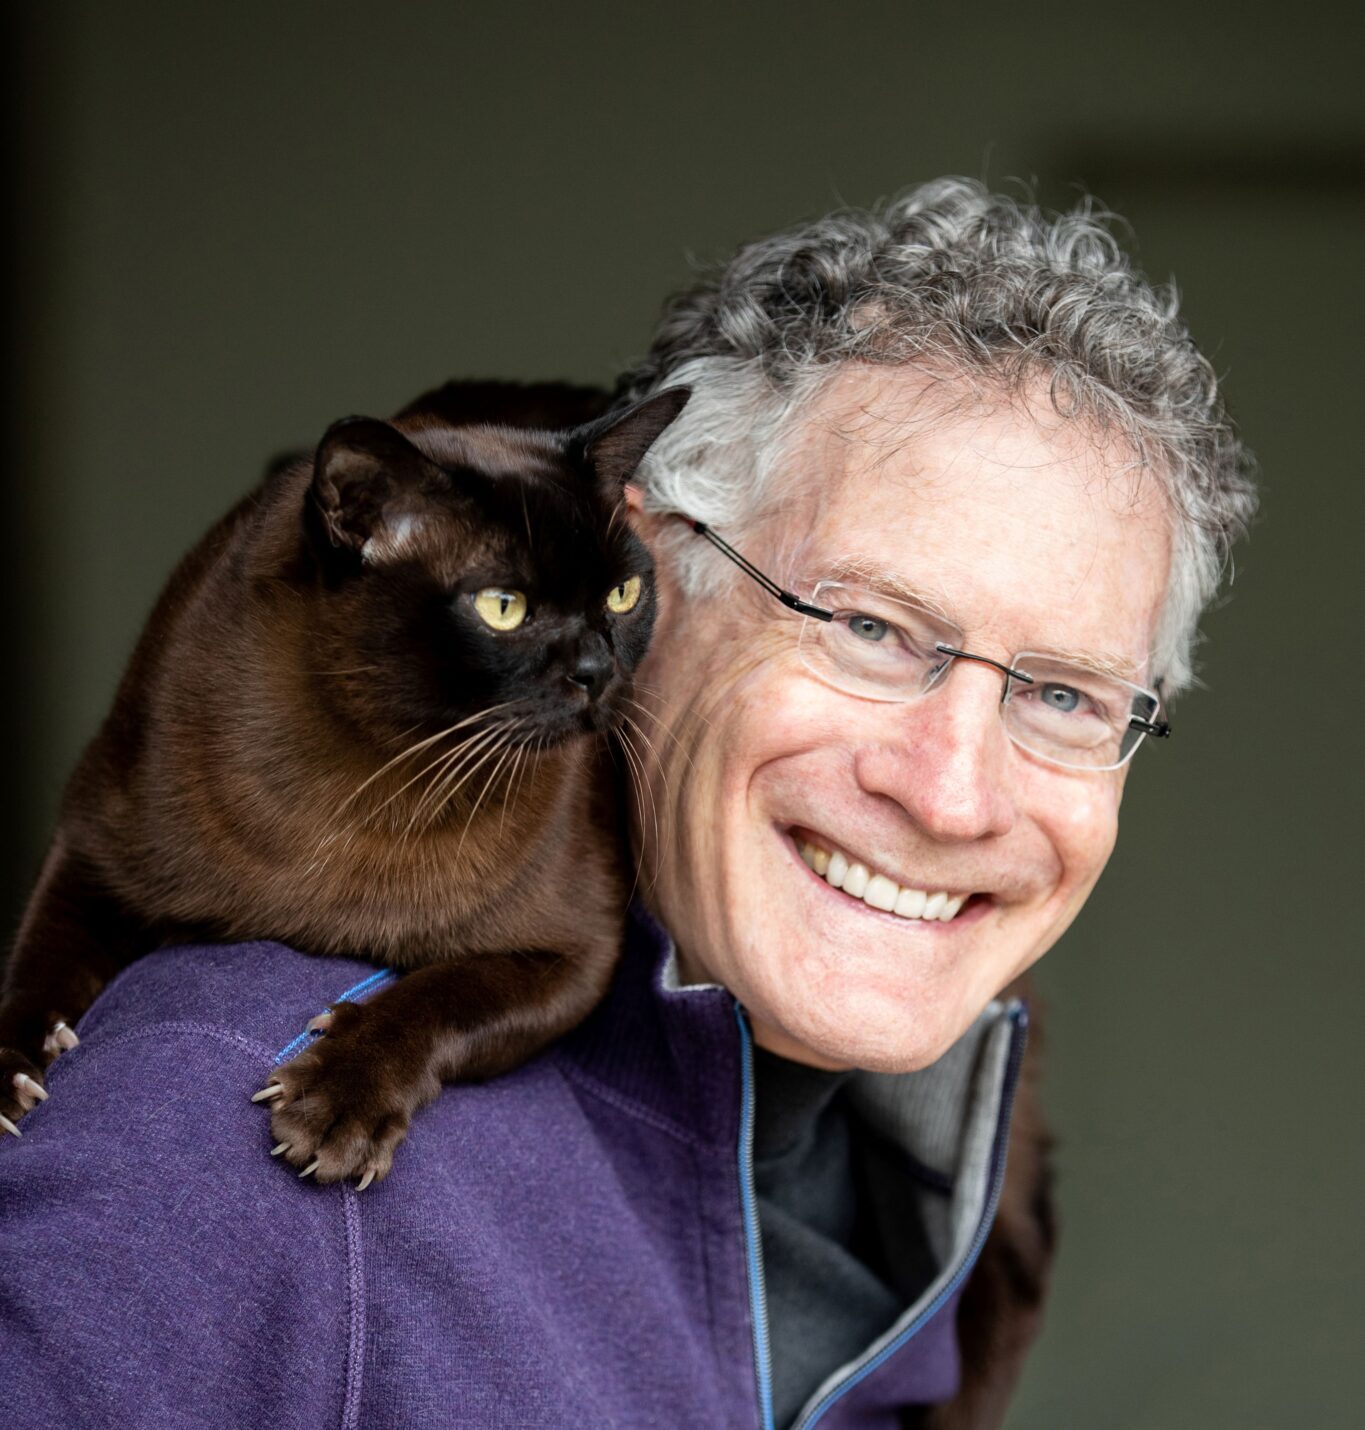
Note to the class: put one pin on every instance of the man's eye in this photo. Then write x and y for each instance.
(1061, 698)
(868, 628)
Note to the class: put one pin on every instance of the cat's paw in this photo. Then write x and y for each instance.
(342, 1107)
(21, 1089)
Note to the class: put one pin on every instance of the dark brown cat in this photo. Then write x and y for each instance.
(367, 717)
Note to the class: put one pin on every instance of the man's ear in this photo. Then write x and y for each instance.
(372, 489)
(645, 524)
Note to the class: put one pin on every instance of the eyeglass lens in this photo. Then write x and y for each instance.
(882, 648)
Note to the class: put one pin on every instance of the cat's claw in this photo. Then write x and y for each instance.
(60, 1040)
(278, 1148)
(274, 1089)
(366, 1180)
(28, 1091)
(311, 1167)
(21, 1090)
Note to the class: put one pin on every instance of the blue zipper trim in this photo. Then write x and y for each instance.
(758, 1301)
(366, 985)
(1019, 1017)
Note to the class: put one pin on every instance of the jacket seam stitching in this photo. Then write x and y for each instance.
(97, 1044)
(355, 1347)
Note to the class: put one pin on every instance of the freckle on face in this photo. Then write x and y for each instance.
(1026, 530)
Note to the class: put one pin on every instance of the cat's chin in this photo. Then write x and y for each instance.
(562, 726)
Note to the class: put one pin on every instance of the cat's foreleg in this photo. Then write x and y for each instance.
(73, 939)
(342, 1107)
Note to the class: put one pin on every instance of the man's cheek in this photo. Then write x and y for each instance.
(1084, 828)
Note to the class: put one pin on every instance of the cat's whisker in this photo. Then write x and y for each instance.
(487, 785)
(465, 775)
(401, 736)
(531, 755)
(641, 687)
(526, 514)
(411, 750)
(452, 768)
(441, 760)
(478, 739)
(659, 843)
(652, 692)
(632, 759)
(531, 761)
(509, 804)
(421, 745)
(648, 783)
(660, 728)
(467, 747)
(649, 744)
(477, 736)
(513, 785)
(452, 780)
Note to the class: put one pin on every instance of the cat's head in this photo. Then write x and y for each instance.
(481, 572)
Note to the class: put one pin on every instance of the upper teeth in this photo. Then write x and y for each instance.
(876, 890)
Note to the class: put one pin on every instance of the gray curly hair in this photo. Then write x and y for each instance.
(965, 282)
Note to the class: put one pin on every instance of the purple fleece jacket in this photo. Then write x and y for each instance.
(574, 1244)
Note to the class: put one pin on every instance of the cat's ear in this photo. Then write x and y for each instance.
(372, 489)
(615, 446)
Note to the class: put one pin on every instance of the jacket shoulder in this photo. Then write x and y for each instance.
(261, 993)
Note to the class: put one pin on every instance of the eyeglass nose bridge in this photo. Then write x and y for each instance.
(1008, 671)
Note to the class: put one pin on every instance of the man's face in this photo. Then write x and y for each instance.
(1024, 531)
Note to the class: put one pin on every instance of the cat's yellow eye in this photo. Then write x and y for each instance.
(622, 598)
(503, 610)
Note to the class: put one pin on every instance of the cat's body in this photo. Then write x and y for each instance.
(320, 740)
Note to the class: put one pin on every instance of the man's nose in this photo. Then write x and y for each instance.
(948, 760)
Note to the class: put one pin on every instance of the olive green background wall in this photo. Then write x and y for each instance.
(237, 223)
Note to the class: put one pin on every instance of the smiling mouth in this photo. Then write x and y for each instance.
(876, 890)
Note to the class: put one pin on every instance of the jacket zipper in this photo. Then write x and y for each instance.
(1018, 1015)
(758, 1296)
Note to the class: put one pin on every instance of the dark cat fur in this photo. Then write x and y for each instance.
(250, 780)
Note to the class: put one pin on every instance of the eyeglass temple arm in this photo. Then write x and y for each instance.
(1157, 729)
(792, 602)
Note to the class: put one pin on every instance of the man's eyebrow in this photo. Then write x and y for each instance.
(886, 582)
(1098, 662)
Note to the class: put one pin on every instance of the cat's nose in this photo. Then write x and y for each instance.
(590, 666)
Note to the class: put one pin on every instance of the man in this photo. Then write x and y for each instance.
(933, 530)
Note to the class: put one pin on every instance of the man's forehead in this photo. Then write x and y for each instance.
(1042, 531)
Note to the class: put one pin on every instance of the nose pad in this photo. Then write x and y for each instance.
(591, 665)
